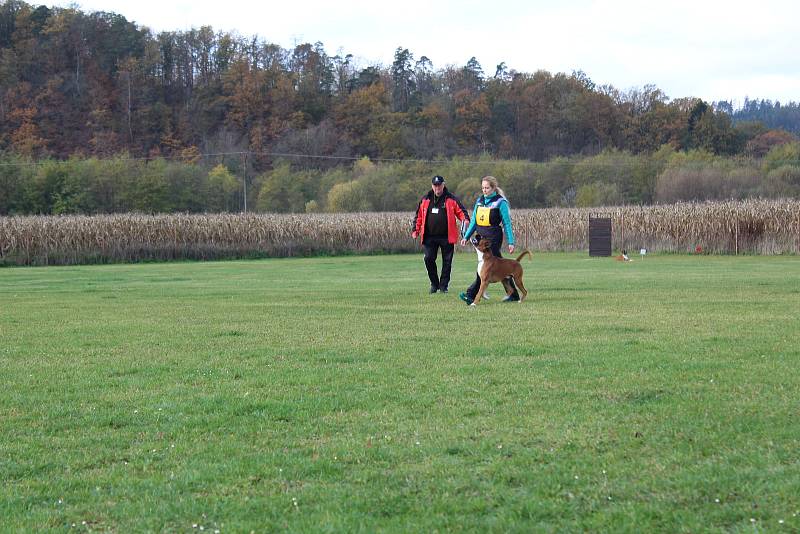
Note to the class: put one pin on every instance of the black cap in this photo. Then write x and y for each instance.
(437, 180)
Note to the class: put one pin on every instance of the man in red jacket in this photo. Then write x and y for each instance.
(435, 224)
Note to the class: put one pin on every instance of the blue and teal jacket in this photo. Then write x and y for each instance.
(491, 211)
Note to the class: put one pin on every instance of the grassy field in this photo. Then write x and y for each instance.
(335, 394)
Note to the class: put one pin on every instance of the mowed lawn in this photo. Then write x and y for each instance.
(336, 395)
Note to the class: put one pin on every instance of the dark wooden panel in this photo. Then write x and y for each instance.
(599, 236)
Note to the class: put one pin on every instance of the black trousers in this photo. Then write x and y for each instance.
(431, 245)
(472, 290)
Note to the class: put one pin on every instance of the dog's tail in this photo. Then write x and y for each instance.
(526, 251)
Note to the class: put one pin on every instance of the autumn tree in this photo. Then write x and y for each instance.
(761, 144)
(403, 83)
(360, 114)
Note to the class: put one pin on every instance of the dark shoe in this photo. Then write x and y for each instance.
(433, 290)
(511, 298)
(443, 289)
(463, 296)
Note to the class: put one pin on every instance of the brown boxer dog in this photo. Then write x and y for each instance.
(498, 270)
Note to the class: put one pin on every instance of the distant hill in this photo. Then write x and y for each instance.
(95, 84)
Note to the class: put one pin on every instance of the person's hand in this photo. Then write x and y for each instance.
(463, 242)
(414, 234)
(510, 249)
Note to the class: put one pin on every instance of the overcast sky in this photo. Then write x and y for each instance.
(715, 49)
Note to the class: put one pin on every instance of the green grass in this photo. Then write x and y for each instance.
(335, 394)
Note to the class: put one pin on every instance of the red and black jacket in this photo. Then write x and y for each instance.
(455, 210)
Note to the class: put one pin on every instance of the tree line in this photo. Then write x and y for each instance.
(121, 184)
(80, 92)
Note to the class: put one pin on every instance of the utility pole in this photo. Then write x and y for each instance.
(244, 178)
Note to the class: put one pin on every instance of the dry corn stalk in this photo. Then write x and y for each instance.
(752, 226)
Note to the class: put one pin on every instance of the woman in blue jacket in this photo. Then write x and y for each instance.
(490, 217)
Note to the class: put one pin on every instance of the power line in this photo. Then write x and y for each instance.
(247, 153)
(251, 153)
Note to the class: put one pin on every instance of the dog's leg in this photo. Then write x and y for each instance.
(507, 286)
(523, 292)
(512, 280)
(481, 290)
(480, 267)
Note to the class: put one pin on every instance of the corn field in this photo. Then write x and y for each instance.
(734, 227)
(750, 227)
